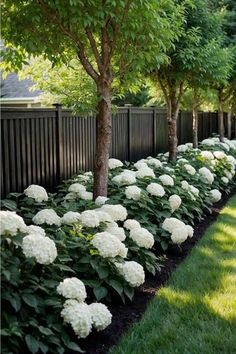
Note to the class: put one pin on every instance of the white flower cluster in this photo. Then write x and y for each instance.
(185, 185)
(114, 163)
(166, 180)
(103, 216)
(108, 245)
(36, 192)
(90, 218)
(208, 142)
(206, 174)
(182, 148)
(117, 212)
(101, 200)
(215, 195)
(145, 171)
(142, 237)
(11, 223)
(133, 192)
(70, 217)
(130, 224)
(140, 164)
(79, 190)
(207, 155)
(72, 288)
(132, 272)
(155, 189)
(47, 216)
(178, 230)
(154, 163)
(77, 313)
(116, 231)
(42, 248)
(125, 178)
(175, 202)
(33, 229)
(219, 155)
(190, 169)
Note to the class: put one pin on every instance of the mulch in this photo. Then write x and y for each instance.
(124, 315)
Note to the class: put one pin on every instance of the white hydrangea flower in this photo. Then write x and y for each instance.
(179, 235)
(89, 218)
(194, 190)
(145, 172)
(86, 195)
(181, 160)
(70, 196)
(78, 315)
(154, 162)
(189, 145)
(108, 245)
(215, 195)
(155, 189)
(103, 216)
(101, 200)
(70, 217)
(133, 192)
(182, 148)
(228, 174)
(117, 212)
(140, 164)
(219, 155)
(230, 159)
(33, 229)
(47, 216)
(190, 169)
(76, 188)
(117, 232)
(230, 144)
(130, 224)
(185, 185)
(225, 180)
(11, 223)
(36, 192)
(206, 175)
(208, 142)
(89, 173)
(142, 237)
(101, 316)
(175, 202)
(40, 247)
(72, 288)
(114, 163)
(166, 180)
(207, 155)
(125, 178)
(132, 272)
(190, 231)
(170, 224)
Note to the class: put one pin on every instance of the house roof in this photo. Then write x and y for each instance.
(12, 87)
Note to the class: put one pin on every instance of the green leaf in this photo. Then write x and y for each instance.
(129, 292)
(46, 331)
(64, 267)
(32, 343)
(30, 300)
(100, 292)
(43, 347)
(75, 347)
(117, 286)
(9, 204)
(103, 272)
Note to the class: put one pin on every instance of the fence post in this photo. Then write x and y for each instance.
(154, 132)
(59, 143)
(129, 133)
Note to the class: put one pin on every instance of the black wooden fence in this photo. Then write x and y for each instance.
(45, 146)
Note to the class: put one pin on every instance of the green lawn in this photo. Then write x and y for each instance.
(195, 312)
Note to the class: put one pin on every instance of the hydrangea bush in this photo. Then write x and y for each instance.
(63, 253)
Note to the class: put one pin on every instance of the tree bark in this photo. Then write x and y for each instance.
(103, 139)
(229, 123)
(172, 116)
(221, 115)
(195, 119)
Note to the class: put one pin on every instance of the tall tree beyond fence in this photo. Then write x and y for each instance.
(45, 146)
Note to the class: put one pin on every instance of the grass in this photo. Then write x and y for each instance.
(195, 312)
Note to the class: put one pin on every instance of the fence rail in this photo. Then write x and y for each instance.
(45, 146)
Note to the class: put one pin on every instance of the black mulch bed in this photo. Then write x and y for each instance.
(125, 315)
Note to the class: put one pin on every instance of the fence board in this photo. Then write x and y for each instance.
(45, 146)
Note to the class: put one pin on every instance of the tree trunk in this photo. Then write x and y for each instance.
(172, 116)
(195, 119)
(229, 123)
(103, 140)
(221, 115)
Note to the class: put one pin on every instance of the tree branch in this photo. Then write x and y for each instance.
(94, 48)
